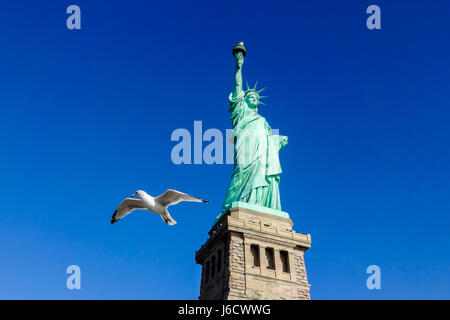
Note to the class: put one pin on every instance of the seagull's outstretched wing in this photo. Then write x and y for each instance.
(171, 197)
(167, 218)
(126, 207)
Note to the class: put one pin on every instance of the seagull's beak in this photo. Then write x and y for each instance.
(133, 195)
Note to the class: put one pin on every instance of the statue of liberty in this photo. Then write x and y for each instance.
(256, 176)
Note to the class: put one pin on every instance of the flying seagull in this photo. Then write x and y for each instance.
(156, 205)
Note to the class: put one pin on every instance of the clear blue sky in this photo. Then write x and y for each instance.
(86, 120)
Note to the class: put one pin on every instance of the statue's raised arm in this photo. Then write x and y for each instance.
(239, 52)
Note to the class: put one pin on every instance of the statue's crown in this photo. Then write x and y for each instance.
(253, 90)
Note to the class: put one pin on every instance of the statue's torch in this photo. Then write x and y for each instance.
(239, 48)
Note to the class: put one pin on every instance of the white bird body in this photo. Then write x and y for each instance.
(150, 204)
(156, 205)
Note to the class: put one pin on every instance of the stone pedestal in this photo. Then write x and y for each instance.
(253, 254)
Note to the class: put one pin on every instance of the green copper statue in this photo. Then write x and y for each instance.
(257, 169)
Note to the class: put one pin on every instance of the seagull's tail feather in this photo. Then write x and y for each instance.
(171, 222)
(168, 219)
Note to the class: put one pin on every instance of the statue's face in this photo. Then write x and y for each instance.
(252, 100)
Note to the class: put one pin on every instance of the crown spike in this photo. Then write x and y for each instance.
(262, 90)
(256, 84)
(246, 82)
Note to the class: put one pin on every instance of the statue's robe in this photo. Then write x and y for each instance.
(257, 169)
